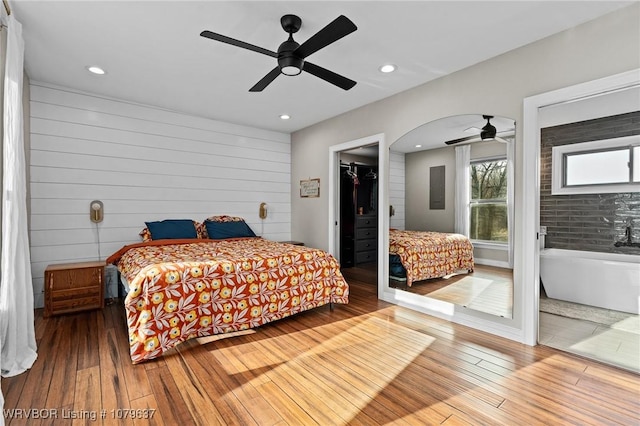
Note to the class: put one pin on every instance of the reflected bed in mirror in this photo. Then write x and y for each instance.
(476, 191)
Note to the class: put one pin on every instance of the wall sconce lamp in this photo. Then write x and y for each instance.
(96, 211)
(262, 212)
(392, 211)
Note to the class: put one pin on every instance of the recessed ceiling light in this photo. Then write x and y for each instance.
(96, 70)
(387, 68)
(418, 146)
(285, 117)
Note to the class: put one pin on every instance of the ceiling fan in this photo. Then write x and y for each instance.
(487, 132)
(291, 55)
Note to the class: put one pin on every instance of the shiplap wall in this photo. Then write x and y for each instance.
(144, 164)
(397, 189)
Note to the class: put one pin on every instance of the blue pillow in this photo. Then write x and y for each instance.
(172, 229)
(236, 229)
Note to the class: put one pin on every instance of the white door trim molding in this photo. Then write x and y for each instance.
(530, 253)
(334, 193)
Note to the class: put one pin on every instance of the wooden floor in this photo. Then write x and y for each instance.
(364, 363)
(487, 289)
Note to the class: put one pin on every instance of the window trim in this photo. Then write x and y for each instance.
(558, 164)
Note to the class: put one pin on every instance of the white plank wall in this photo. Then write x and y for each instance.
(144, 164)
(397, 189)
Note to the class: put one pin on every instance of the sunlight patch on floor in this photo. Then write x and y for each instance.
(327, 368)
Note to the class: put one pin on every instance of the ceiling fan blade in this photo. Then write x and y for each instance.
(266, 80)
(465, 139)
(329, 76)
(334, 31)
(238, 43)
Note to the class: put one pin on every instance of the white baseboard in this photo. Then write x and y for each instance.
(491, 262)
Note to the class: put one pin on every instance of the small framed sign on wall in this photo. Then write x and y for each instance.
(310, 188)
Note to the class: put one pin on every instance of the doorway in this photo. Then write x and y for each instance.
(356, 201)
(530, 271)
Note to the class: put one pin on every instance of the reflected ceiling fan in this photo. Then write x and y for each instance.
(291, 55)
(487, 132)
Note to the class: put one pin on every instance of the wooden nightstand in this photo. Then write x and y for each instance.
(73, 287)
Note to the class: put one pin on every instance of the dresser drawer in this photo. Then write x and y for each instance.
(366, 256)
(366, 222)
(365, 245)
(366, 233)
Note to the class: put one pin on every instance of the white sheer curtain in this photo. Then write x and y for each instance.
(510, 196)
(17, 334)
(463, 182)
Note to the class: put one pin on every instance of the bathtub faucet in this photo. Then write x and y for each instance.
(627, 242)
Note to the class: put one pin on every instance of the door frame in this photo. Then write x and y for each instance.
(530, 254)
(334, 198)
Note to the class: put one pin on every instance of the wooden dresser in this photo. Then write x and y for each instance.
(73, 287)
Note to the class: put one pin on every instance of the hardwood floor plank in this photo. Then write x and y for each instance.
(170, 405)
(146, 413)
(114, 393)
(61, 379)
(196, 398)
(86, 404)
(83, 331)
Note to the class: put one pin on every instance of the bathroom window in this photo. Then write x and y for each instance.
(488, 200)
(606, 166)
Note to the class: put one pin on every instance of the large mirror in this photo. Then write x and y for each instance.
(451, 217)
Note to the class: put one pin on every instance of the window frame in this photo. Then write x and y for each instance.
(559, 162)
(480, 201)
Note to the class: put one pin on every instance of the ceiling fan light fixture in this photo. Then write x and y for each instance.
(489, 130)
(290, 70)
(290, 64)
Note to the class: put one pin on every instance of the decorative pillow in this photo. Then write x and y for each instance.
(201, 229)
(172, 229)
(230, 229)
(224, 218)
(201, 232)
(145, 234)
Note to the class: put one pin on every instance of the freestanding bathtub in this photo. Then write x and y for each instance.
(606, 280)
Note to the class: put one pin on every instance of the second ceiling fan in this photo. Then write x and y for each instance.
(291, 55)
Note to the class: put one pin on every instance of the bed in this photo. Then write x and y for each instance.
(182, 288)
(422, 255)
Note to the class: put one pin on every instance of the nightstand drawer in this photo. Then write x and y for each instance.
(75, 278)
(75, 304)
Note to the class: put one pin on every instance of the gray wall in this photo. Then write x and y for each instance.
(419, 217)
(591, 222)
(497, 87)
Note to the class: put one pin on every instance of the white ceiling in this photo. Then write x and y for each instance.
(153, 53)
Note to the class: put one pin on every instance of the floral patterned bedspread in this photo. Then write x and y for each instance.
(426, 254)
(181, 289)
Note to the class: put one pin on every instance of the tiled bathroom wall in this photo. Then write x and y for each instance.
(592, 222)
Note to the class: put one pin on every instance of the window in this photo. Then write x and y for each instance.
(488, 203)
(606, 166)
